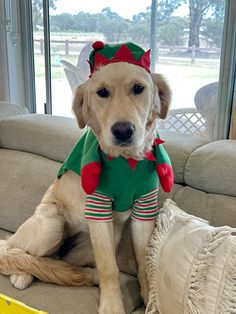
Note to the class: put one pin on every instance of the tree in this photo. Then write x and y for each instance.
(197, 11)
(140, 28)
(63, 22)
(139, 33)
(142, 17)
(171, 33)
(110, 15)
(165, 8)
(85, 22)
(212, 30)
(113, 26)
(167, 33)
(37, 11)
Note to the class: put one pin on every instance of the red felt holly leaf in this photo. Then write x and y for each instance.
(158, 141)
(132, 162)
(99, 60)
(123, 54)
(149, 156)
(109, 157)
(145, 59)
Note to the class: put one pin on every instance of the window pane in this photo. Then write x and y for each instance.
(75, 25)
(37, 11)
(189, 35)
(189, 44)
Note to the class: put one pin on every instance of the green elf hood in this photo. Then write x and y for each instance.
(103, 54)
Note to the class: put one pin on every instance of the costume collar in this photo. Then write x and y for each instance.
(148, 154)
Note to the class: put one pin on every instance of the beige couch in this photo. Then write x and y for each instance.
(32, 148)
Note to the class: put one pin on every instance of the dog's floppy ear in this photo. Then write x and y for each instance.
(162, 95)
(79, 104)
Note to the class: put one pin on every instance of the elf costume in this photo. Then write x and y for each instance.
(119, 184)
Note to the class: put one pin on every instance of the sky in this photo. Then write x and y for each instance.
(125, 8)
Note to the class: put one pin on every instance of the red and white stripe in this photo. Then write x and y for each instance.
(98, 208)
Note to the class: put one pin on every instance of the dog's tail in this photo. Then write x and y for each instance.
(16, 261)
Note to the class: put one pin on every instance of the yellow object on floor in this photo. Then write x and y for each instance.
(11, 306)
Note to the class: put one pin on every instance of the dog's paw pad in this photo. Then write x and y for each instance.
(21, 281)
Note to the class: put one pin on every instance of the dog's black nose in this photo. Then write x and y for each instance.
(122, 131)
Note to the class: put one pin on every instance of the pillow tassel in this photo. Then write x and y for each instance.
(228, 300)
(197, 283)
(164, 223)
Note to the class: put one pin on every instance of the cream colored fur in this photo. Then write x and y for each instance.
(60, 213)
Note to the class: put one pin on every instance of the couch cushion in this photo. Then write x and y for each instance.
(54, 137)
(24, 179)
(4, 235)
(218, 209)
(212, 168)
(179, 147)
(7, 110)
(68, 300)
(163, 195)
(49, 136)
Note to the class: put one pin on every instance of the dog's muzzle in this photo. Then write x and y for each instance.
(123, 132)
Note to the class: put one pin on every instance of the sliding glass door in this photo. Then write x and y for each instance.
(185, 37)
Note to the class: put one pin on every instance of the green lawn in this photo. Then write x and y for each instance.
(57, 70)
(201, 70)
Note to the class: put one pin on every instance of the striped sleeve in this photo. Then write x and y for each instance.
(146, 207)
(98, 207)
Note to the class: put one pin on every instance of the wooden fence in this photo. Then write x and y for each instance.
(61, 47)
(73, 47)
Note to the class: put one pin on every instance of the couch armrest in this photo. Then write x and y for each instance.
(45, 135)
(7, 110)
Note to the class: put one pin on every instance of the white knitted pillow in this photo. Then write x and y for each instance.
(191, 266)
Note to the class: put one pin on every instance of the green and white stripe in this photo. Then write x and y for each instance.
(99, 207)
(146, 207)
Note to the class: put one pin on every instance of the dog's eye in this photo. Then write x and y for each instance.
(103, 92)
(138, 89)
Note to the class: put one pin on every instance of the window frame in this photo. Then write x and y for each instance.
(47, 57)
(227, 74)
(17, 58)
(28, 53)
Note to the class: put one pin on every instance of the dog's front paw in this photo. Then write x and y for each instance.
(111, 309)
(21, 281)
(111, 306)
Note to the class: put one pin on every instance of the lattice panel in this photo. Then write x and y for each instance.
(186, 120)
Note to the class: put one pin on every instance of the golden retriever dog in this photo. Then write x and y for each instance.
(60, 215)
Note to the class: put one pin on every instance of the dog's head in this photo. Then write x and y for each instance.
(121, 102)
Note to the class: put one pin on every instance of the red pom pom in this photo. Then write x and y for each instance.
(166, 176)
(97, 45)
(90, 174)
